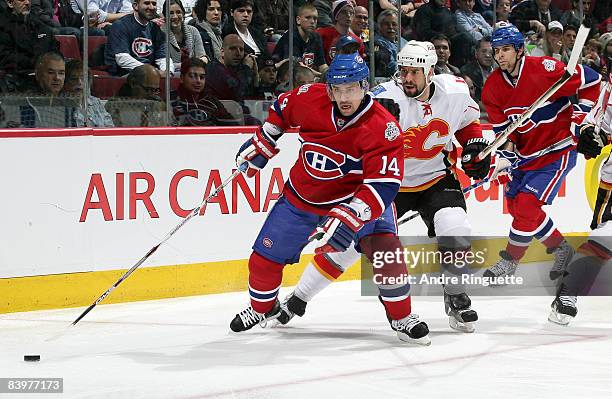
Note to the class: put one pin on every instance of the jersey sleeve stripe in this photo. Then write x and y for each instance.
(383, 180)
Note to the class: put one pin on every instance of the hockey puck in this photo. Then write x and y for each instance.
(31, 358)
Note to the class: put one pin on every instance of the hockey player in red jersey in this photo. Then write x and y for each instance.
(432, 111)
(348, 171)
(507, 93)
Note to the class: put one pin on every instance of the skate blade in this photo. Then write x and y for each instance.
(423, 341)
(558, 318)
(460, 326)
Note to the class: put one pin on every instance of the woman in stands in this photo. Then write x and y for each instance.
(183, 37)
(207, 19)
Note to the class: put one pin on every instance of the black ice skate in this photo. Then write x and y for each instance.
(563, 255)
(460, 316)
(291, 306)
(506, 266)
(563, 309)
(411, 329)
(249, 318)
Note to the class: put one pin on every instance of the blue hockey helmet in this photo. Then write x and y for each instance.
(507, 34)
(347, 68)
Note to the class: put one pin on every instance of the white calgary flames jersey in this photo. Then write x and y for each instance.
(593, 118)
(429, 127)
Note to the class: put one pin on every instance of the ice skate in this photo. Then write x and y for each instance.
(411, 329)
(563, 255)
(290, 307)
(506, 266)
(563, 308)
(249, 318)
(460, 316)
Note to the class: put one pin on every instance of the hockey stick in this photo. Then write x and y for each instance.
(559, 145)
(570, 69)
(193, 213)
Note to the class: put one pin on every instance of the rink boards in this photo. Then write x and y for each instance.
(80, 206)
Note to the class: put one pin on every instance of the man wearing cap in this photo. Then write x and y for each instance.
(307, 44)
(552, 43)
(267, 78)
(342, 15)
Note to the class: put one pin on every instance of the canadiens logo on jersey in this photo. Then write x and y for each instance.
(514, 113)
(324, 163)
(142, 47)
(426, 141)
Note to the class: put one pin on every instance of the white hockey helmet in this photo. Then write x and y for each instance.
(418, 54)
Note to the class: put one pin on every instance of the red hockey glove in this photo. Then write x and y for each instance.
(256, 152)
(337, 231)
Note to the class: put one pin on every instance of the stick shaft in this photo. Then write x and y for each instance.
(151, 251)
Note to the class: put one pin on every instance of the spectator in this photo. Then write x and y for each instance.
(242, 14)
(534, 14)
(343, 13)
(271, 14)
(267, 78)
(208, 22)
(324, 10)
(572, 16)
(191, 107)
(591, 52)
(434, 18)
(480, 68)
(470, 22)
(443, 51)
(552, 43)
(307, 44)
(134, 41)
(471, 87)
(502, 10)
(183, 37)
(50, 74)
(569, 38)
(234, 80)
(347, 45)
(139, 102)
(302, 75)
(102, 13)
(97, 116)
(360, 24)
(22, 39)
(386, 41)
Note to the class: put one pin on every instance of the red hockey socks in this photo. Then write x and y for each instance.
(265, 278)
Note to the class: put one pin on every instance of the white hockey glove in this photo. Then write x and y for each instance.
(502, 164)
(256, 152)
(337, 231)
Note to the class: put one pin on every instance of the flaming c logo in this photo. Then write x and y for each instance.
(591, 176)
(426, 141)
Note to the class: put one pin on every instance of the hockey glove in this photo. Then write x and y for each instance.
(256, 152)
(475, 169)
(391, 106)
(590, 143)
(502, 164)
(337, 231)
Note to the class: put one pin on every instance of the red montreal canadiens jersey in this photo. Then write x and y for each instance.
(340, 158)
(505, 101)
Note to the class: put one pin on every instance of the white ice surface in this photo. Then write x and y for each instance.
(342, 348)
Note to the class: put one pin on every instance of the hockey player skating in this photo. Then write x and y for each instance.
(431, 111)
(508, 91)
(348, 171)
(595, 133)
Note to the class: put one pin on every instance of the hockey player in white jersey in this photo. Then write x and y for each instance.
(432, 110)
(595, 133)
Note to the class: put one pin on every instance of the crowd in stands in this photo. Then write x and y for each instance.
(226, 60)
